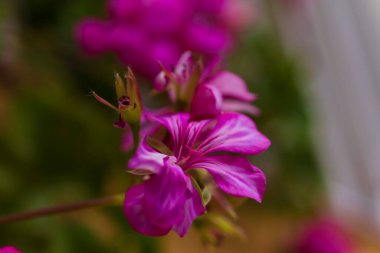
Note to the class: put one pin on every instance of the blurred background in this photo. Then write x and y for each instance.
(314, 65)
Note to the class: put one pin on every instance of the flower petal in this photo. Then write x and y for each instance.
(231, 86)
(165, 194)
(146, 160)
(235, 175)
(136, 216)
(176, 125)
(193, 208)
(206, 103)
(184, 134)
(234, 133)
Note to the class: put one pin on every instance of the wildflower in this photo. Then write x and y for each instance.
(141, 36)
(204, 93)
(167, 199)
(9, 249)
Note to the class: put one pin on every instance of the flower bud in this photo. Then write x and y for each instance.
(129, 104)
(128, 98)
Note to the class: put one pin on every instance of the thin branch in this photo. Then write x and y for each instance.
(59, 209)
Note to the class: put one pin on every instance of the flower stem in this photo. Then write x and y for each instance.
(59, 209)
(136, 136)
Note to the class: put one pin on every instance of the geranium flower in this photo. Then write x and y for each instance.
(9, 249)
(203, 90)
(139, 33)
(168, 200)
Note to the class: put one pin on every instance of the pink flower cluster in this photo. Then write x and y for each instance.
(200, 131)
(145, 32)
(198, 141)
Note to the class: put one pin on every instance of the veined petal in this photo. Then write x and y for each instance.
(176, 125)
(231, 85)
(136, 216)
(206, 103)
(184, 134)
(235, 175)
(195, 132)
(234, 133)
(146, 160)
(192, 209)
(165, 194)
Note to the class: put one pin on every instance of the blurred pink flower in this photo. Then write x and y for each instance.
(9, 249)
(143, 33)
(324, 236)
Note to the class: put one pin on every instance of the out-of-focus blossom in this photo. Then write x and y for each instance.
(167, 199)
(143, 33)
(9, 249)
(324, 236)
(204, 91)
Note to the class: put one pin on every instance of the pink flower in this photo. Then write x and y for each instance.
(9, 249)
(139, 33)
(214, 93)
(324, 236)
(167, 200)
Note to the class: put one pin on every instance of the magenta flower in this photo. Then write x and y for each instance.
(167, 199)
(141, 36)
(324, 236)
(9, 249)
(214, 93)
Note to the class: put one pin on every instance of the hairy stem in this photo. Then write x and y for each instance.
(60, 209)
